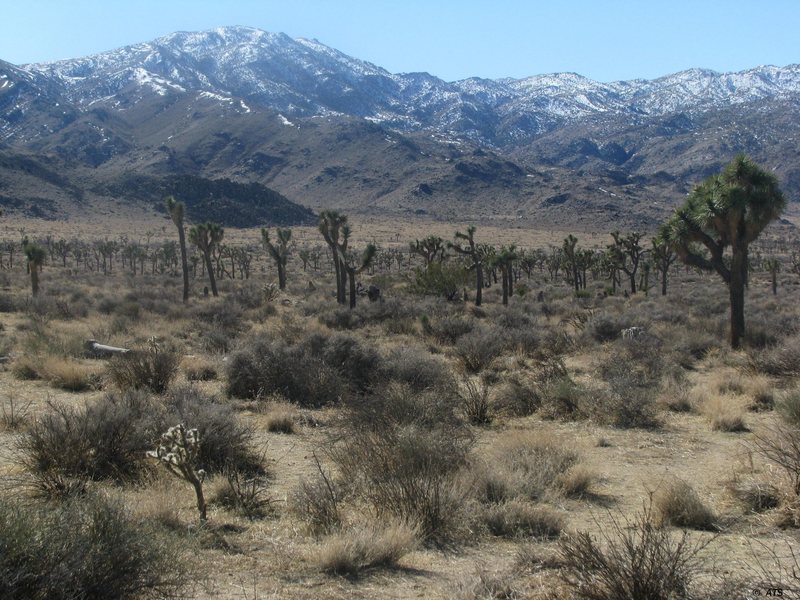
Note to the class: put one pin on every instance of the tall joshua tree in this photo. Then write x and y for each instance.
(176, 212)
(504, 260)
(206, 236)
(663, 255)
(353, 265)
(279, 251)
(331, 224)
(730, 209)
(476, 254)
(35, 255)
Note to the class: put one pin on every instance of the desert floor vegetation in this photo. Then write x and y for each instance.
(414, 445)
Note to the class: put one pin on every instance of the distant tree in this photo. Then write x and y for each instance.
(477, 255)
(431, 248)
(279, 251)
(504, 260)
(36, 256)
(627, 252)
(730, 209)
(570, 257)
(773, 266)
(206, 236)
(176, 212)
(663, 255)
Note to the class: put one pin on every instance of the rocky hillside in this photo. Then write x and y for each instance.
(328, 130)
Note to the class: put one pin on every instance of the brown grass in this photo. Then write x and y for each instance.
(677, 503)
(355, 550)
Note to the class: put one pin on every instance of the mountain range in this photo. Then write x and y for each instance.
(324, 129)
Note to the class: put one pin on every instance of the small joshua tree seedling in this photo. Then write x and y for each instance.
(178, 452)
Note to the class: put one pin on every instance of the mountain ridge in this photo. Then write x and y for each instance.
(646, 140)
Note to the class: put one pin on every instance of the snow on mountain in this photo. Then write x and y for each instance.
(301, 77)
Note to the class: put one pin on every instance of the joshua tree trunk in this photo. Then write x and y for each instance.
(281, 276)
(351, 274)
(736, 288)
(34, 280)
(184, 263)
(506, 285)
(479, 285)
(211, 278)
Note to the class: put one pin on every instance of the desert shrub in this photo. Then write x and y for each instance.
(756, 497)
(243, 493)
(477, 349)
(356, 362)
(522, 519)
(631, 561)
(108, 438)
(779, 443)
(605, 328)
(86, 548)
(782, 360)
(400, 452)
(316, 503)
(523, 467)
(518, 396)
(66, 374)
(475, 402)
(633, 384)
(575, 482)
(200, 370)
(417, 368)
(342, 318)
(366, 547)
(726, 413)
(26, 367)
(281, 421)
(153, 369)
(677, 503)
(525, 340)
(262, 368)
(562, 398)
(225, 443)
(446, 279)
(788, 405)
(448, 329)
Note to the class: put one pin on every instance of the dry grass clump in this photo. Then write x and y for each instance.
(316, 502)
(726, 413)
(67, 374)
(199, 369)
(576, 482)
(677, 503)
(516, 518)
(755, 496)
(477, 349)
(632, 560)
(353, 551)
(524, 466)
(517, 395)
(788, 405)
(281, 420)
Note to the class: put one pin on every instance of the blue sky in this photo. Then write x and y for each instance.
(606, 40)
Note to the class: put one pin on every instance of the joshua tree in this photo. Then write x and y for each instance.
(431, 248)
(330, 226)
(663, 256)
(353, 265)
(627, 253)
(206, 236)
(176, 212)
(773, 265)
(278, 251)
(35, 255)
(477, 254)
(178, 451)
(728, 209)
(504, 260)
(571, 260)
